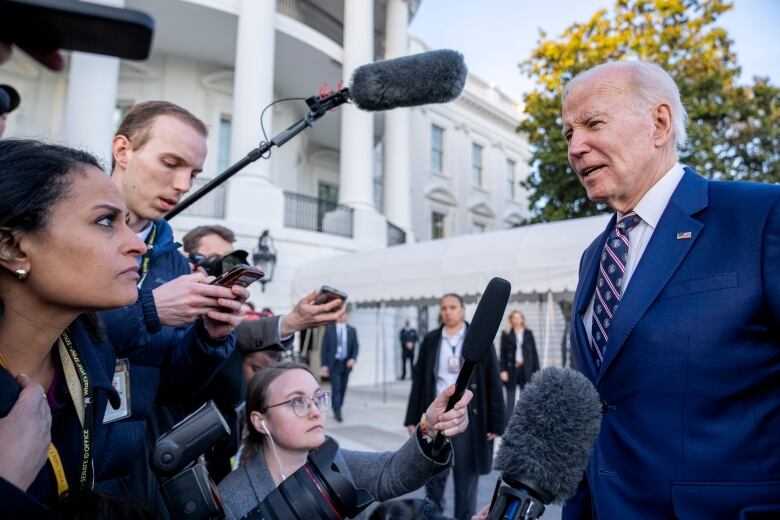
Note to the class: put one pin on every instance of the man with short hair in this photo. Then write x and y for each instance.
(676, 317)
(209, 240)
(179, 332)
(408, 337)
(339, 352)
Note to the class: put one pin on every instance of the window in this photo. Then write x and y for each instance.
(437, 149)
(327, 200)
(120, 111)
(476, 165)
(223, 152)
(510, 178)
(437, 225)
(213, 204)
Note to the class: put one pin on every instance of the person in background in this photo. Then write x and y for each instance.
(337, 358)
(519, 360)
(409, 340)
(437, 367)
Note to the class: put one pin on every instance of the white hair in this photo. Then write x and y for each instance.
(651, 85)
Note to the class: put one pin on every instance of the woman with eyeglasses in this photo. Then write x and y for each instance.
(285, 418)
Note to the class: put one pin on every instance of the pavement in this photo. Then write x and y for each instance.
(373, 421)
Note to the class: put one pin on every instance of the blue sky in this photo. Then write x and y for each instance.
(495, 35)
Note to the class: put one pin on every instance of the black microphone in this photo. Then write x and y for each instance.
(479, 340)
(546, 445)
(419, 79)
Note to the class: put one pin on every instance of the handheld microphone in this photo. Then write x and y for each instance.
(546, 445)
(479, 340)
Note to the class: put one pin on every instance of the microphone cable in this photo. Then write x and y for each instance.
(267, 154)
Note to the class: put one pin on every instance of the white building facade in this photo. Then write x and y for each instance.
(355, 181)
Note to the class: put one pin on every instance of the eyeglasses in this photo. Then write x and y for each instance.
(302, 403)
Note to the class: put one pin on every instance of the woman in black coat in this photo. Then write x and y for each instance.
(473, 449)
(517, 367)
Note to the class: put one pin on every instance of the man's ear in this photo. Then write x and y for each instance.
(257, 422)
(662, 121)
(120, 148)
(12, 255)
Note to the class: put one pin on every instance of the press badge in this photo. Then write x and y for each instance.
(121, 384)
(453, 363)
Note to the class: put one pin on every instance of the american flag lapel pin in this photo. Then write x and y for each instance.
(684, 235)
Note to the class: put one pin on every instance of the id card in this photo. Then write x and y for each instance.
(453, 363)
(121, 383)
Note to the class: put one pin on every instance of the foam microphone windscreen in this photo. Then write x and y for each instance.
(551, 433)
(420, 79)
(487, 319)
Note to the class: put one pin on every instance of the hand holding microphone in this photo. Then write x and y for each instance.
(479, 339)
(448, 423)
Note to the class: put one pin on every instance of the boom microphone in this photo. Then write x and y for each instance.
(479, 340)
(420, 79)
(546, 445)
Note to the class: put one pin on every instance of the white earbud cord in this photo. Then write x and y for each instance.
(276, 455)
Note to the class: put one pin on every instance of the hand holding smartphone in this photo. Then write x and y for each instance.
(242, 275)
(328, 294)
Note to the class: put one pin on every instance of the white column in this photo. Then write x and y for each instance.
(251, 195)
(397, 183)
(357, 127)
(91, 99)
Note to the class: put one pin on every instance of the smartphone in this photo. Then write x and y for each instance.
(328, 294)
(242, 275)
(76, 26)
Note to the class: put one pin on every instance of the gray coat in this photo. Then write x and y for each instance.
(385, 475)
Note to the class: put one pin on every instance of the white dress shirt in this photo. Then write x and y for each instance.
(451, 346)
(649, 209)
(519, 345)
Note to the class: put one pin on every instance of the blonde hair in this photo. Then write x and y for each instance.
(509, 319)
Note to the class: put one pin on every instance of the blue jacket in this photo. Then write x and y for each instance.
(98, 359)
(689, 381)
(330, 346)
(167, 364)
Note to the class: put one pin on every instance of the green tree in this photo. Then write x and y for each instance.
(734, 131)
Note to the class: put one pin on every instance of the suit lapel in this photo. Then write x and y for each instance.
(661, 259)
(584, 292)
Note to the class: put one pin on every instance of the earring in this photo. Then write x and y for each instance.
(21, 274)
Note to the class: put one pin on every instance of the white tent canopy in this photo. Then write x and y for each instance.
(537, 260)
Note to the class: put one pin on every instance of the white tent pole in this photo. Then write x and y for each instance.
(548, 330)
(382, 342)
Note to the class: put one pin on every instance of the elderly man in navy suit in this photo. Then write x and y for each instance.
(676, 316)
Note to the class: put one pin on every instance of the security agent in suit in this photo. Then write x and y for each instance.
(337, 358)
(519, 359)
(438, 364)
(408, 337)
(688, 364)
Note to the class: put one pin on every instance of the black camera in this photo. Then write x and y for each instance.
(317, 490)
(188, 490)
(216, 265)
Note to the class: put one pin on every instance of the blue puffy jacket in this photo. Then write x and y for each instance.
(98, 359)
(167, 364)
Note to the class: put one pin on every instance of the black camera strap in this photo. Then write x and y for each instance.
(147, 258)
(80, 390)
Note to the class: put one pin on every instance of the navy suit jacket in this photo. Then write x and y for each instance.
(330, 345)
(690, 382)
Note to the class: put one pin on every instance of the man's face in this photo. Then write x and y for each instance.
(211, 245)
(611, 142)
(156, 175)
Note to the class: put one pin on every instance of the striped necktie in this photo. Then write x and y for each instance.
(609, 283)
